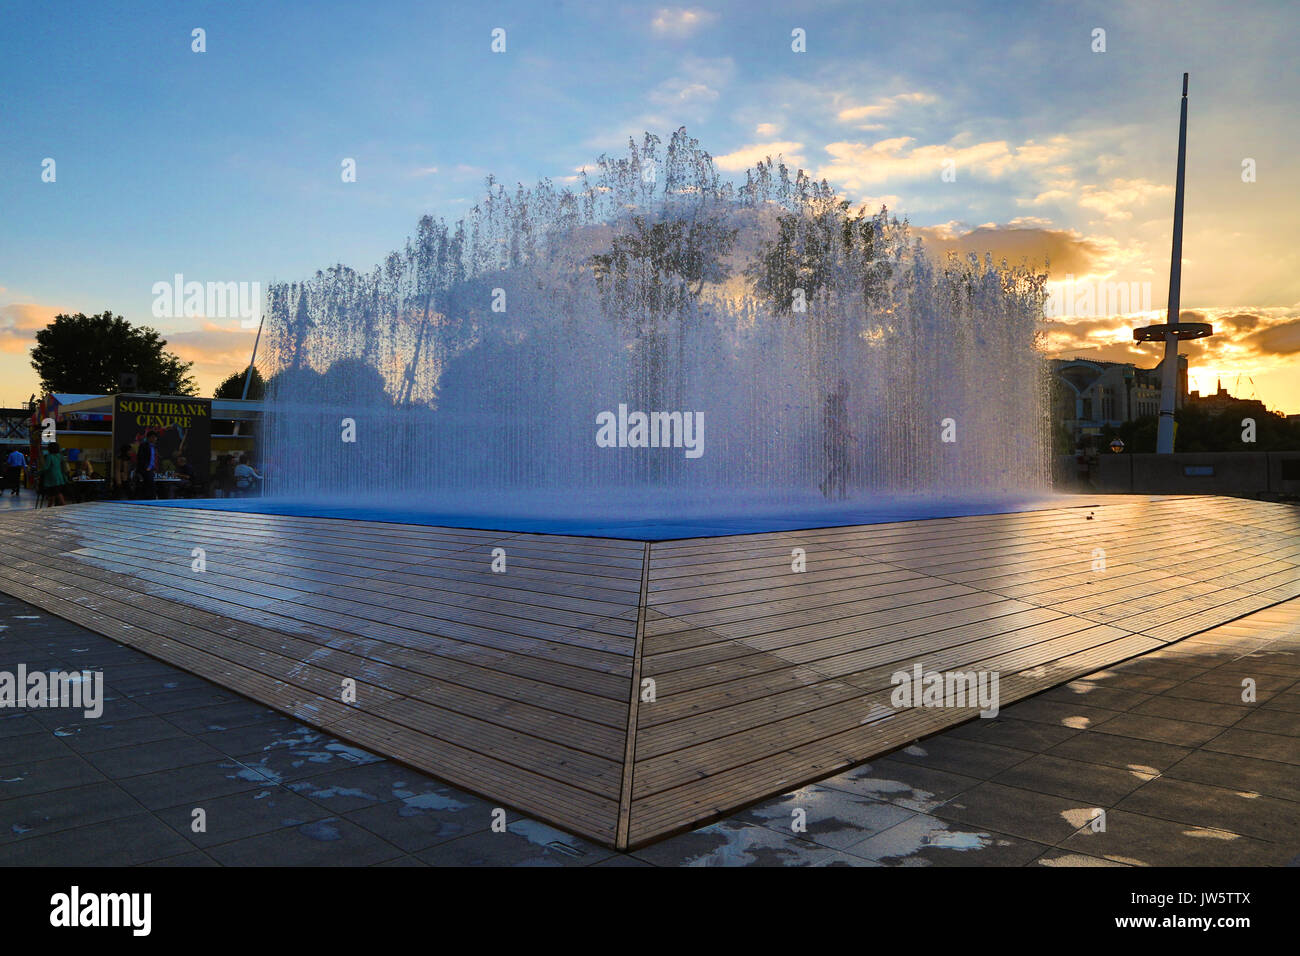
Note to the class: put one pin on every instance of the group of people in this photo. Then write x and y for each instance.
(138, 473)
(57, 470)
(234, 475)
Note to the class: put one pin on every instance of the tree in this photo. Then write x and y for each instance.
(233, 387)
(86, 354)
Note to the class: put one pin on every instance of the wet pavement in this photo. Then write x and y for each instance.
(1158, 761)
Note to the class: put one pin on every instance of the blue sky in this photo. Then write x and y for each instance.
(225, 165)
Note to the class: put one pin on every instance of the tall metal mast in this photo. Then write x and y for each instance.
(1173, 331)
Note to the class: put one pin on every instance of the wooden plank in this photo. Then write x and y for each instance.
(523, 687)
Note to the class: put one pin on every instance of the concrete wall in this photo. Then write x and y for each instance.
(1206, 473)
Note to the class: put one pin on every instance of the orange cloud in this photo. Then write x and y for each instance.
(1068, 252)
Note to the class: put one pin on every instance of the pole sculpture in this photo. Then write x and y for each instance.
(1173, 331)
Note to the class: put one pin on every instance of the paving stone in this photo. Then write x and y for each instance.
(186, 785)
(1181, 733)
(967, 757)
(1038, 817)
(40, 814)
(327, 842)
(1241, 811)
(833, 817)
(733, 843)
(1249, 743)
(925, 840)
(913, 786)
(129, 841)
(1146, 841)
(1238, 773)
(1112, 750)
(240, 815)
(1092, 784)
(37, 775)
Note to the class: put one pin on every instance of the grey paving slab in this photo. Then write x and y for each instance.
(169, 788)
(1250, 743)
(1180, 733)
(1238, 773)
(1148, 841)
(1241, 811)
(231, 715)
(86, 737)
(967, 757)
(1038, 817)
(40, 814)
(421, 821)
(1069, 858)
(1026, 735)
(129, 841)
(1092, 784)
(522, 843)
(166, 754)
(912, 786)
(1113, 750)
(1074, 715)
(831, 817)
(36, 775)
(330, 841)
(735, 843)
(1180, 708)
(925, 840)
(238, 816)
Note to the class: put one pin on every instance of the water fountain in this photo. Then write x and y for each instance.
(790, 355)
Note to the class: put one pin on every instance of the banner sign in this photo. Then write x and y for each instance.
(183, 426)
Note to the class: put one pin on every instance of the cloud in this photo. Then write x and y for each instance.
(19, 323)
(1282, 338)
(754, 153)
(1113, 201)
(855, 166)
(680, 22)
(213, 345)
(762, 129)
(1248, 341)
(217, 348)
(698, 82)
(1067, 251)
(882, 107)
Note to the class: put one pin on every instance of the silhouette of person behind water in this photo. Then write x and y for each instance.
(836, 439)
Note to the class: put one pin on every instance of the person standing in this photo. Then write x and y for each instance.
(16, 462)
(146, 465)
(54, 476)
(836, 441)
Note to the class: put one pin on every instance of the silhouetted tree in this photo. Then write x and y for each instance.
(86, 354)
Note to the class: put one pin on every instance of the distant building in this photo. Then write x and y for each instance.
(1090, 396)
(1221, 401)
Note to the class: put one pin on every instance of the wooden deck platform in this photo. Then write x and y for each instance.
(532, 686)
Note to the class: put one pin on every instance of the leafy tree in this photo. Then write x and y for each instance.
(86, 354)
(233, 386)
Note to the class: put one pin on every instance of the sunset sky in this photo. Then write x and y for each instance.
(225, 165)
